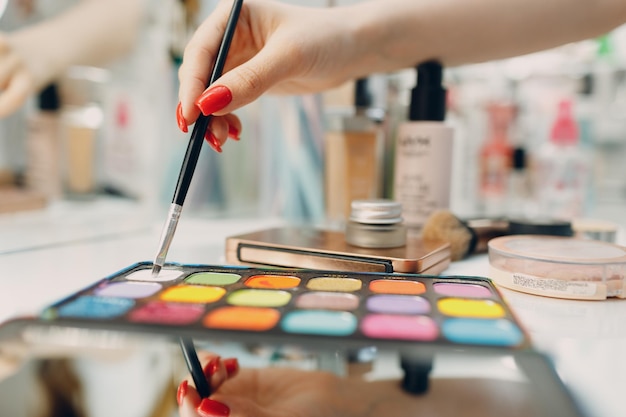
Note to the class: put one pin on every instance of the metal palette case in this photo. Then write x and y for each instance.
(308, 247)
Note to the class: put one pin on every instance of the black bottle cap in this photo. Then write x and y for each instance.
(49, 98)
(519, 159)
(362, 96)
(428, 97)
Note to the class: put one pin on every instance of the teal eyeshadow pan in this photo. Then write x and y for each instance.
(500, 332)
(330, 323)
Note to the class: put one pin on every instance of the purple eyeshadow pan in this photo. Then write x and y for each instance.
(398, 304)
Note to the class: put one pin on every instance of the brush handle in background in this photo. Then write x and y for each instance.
(484, 230)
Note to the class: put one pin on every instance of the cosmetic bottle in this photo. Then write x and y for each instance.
(352, 158)
(423, 157)
(519, 195)
(496, 155)
(82, 122)
(119, 155)
(562, 169)
(44, 144)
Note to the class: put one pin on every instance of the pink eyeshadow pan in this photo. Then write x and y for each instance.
(389, 326)
(452, 289)
(167, 313)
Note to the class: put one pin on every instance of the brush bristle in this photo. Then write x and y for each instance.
(445, 226)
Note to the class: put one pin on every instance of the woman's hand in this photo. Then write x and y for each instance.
(288, 392)
(261, 392)
(276, 47)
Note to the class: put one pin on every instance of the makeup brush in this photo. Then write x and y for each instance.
(182, 186)
(193, 148)
(471, 236)
(464, 237)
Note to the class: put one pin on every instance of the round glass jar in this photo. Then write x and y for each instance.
(376, 223)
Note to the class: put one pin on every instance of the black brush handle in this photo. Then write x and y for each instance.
(197, 135)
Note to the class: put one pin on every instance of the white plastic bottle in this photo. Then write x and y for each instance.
(423, 157)
(563, 169)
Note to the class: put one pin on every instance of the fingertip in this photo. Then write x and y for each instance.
(189, 400)
(180, 118)
(213, 141)
(212, 408)
(232, 366)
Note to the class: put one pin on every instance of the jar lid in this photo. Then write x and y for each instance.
(376, 211)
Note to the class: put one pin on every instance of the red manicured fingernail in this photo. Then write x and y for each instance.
(182, 391)
(214, 99)
(180, 119)
(233, 132)
(211, 367)
(212, 408)
(231, 365)
(212, 140)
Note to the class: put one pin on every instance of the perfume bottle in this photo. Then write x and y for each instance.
(353, 158)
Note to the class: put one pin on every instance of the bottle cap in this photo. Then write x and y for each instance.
(376, 211)
(49, 98)
(428, 97)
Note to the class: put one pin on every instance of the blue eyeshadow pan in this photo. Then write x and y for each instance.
(96, 307)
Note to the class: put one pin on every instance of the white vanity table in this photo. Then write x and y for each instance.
(47, 255)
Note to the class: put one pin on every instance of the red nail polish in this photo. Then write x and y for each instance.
(212, 408)
(231, 365)
(233, 132)
(212, 140)
(180, 119)
(182, 391)
(211, 367)
(214, 99)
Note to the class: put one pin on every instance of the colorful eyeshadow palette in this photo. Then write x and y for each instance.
(319, 308)
(416, 315)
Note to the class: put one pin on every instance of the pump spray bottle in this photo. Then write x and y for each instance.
(423, 160)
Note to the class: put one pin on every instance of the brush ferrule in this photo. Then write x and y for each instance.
(168, 233)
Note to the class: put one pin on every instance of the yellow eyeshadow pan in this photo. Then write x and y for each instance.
(192, 294)
(460, 307)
